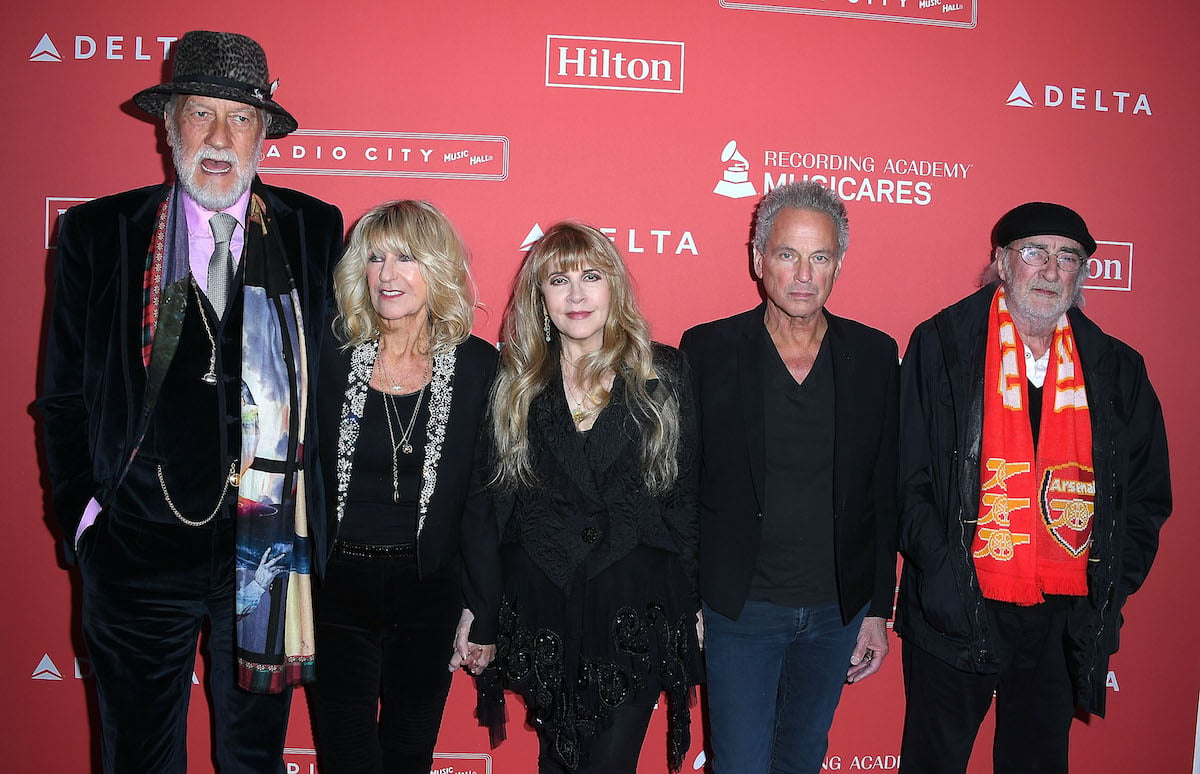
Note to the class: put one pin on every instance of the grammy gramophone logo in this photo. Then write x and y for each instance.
(735, 180)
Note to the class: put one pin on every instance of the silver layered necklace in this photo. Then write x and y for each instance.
(405, 430)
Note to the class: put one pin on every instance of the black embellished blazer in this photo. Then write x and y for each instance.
(94, 382)
(455, 456)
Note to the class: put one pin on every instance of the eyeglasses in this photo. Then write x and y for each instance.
(1038, 256)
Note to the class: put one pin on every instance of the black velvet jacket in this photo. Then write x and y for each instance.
(728, 378)
(93, 380)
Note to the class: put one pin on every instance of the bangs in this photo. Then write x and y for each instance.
(563, 262)
(402, 228)
(571, 249)
(387, 235)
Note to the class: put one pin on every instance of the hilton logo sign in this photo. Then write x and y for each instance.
(1110, 267)
(621, 64)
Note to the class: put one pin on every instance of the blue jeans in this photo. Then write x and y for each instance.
(775, 676)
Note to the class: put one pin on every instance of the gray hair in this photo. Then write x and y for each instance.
(805, 195)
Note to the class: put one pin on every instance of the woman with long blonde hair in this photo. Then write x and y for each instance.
(402, 395)
(593, 595)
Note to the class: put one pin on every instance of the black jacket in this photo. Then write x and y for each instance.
(941, 609)
(728, 378)
(456, 486)
(591, 507)
(94, 381)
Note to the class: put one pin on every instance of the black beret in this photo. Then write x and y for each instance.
(1034, 218)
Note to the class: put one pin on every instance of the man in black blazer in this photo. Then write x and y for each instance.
(184, 323)
(798, 426)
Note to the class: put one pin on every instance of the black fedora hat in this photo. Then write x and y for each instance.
(223, 65)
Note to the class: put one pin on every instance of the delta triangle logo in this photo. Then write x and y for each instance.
(1020, 96)
(534, 235)
(46, 670)
(45, 51)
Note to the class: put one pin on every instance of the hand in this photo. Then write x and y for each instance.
(700, 628)
(268, 568)
(468, 654)
(869, 651)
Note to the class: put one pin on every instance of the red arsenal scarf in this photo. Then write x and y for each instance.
(1035, 508)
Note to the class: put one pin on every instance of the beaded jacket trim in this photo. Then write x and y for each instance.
(441, 389)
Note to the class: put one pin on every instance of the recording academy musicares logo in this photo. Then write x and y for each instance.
(853, 176)
(104, 47)
(937, 13)
(635, 240)
(1113, 102)
(615, 64)
(303, 760)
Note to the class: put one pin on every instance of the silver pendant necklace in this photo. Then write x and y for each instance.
(389, 409)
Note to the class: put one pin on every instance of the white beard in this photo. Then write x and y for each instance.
(188, 172)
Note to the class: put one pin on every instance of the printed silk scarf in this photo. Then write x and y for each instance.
(1035, 508)
(275, 640)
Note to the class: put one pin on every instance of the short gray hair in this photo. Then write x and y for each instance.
(805, 195)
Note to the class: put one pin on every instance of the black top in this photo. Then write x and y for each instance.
(372, 515)
(1035, 411)
(795, 557)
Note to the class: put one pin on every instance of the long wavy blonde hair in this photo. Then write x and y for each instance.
(420, 230)
(529, 364)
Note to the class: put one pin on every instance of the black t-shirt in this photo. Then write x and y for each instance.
(795, 557)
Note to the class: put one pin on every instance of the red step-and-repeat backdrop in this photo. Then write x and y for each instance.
(660, 122)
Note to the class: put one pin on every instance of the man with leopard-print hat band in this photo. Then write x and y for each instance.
(184, 322)
(1033, 483)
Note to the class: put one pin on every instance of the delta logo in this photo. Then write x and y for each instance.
(107, 47)
(619, 64)
(47, 670)
(631, 241)
(1081, 98)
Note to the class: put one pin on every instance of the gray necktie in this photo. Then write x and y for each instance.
(220, 266)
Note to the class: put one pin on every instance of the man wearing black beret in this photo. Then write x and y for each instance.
(1034, 481)
(183, 324)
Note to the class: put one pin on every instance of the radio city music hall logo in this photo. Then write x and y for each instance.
(107, 47)
(353, 153)
(1081, 98)
(621, 64)
(937, 13)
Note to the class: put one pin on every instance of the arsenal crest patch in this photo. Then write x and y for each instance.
(1067, 498)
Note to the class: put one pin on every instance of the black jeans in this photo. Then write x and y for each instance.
(1034, 698)
(384, 639)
